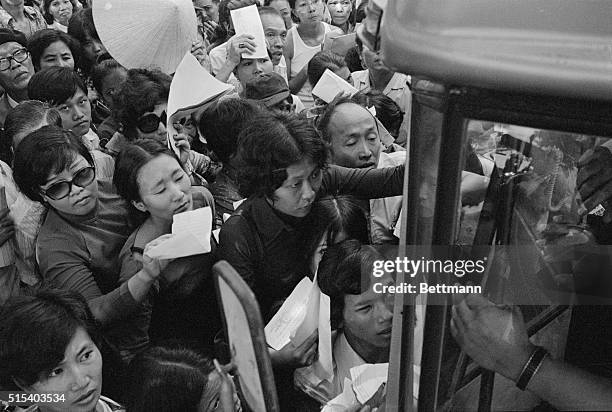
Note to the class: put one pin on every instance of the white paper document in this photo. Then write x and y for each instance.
(190, 235)
(246, 21)
(367, 379)
(289, 316)
(330, 84)
(192, 90)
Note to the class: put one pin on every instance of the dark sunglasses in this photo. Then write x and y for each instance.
(60, 190)
(149, 123)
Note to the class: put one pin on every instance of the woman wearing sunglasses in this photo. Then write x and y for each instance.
(140, 106)
(152, 180)
(85, 228)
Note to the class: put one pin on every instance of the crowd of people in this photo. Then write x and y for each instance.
(297, 185)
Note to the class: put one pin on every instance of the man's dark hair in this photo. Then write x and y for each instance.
(42, 39)
(48, 150)
(27, 115)
(322, 61)
(387, 111)
(55, 85)
(345, 269)
(141, 91)
(221, 124)
(103, 69)
(35, 331)
(267, 147)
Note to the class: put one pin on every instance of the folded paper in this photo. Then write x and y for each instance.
(339, 44)
(246, 21)
(190, 236)
(192, 90)
(330, 85)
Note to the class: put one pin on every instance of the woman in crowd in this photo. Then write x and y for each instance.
(304, 40)
(341, 12)
(57, 13)
(107, 78)
(155, 185)
(53, 48)
(140, 106)
(85, 228)
(332, 220)
(49, 346)
(165, 379)
(82, 28)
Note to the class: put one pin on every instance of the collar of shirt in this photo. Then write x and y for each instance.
(397, 82)
(267, 222)
(345, 358)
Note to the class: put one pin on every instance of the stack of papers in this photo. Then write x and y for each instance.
(190, 236)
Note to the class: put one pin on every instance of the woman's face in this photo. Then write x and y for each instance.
(78, 377)
(57, 54)
(339, 10)
(160, 133)
(61, 10)
(249, 69)
(299, 190)
(93, 48)
(164, 188)
(309, 11)
(73, 199)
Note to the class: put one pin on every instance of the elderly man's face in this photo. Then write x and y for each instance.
(276, 36)
(17, 76)
(354, 137)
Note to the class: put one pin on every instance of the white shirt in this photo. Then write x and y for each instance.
(383, 212)
(396, 89)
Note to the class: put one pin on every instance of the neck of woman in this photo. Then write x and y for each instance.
(159, 225)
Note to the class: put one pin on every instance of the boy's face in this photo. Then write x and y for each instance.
(76, 113)
(367, 319)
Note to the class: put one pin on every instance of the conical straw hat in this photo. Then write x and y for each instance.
(146, 33)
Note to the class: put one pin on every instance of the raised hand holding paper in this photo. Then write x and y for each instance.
(190, 236)
(246, 21)
(191, 91)
(330, 85)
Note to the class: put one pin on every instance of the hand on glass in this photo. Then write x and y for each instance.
(495, 337)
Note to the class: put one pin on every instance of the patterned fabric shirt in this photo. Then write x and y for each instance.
(34, 21)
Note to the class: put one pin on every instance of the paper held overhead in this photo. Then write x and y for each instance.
(192, 90)
(246, 21)
(330, 85)
(190, 236)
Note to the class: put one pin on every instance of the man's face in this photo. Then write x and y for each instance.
(354, 137)
(209, 7)
(276, 36)
(18, 75)
(76, 113)
(367, 318)
(248, 69)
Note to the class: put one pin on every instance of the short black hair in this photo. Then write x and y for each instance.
(267, 147)
(35, 331)
(141, 91)
(167, 379)
(9, 35)
(332, 215)
(45, 9)
(323, 60)
(387, 111)
(342, 271)
(55, 85)
(130, 160)
(27, 115)
(42, 39)
(48, 150)
(221, 124)
(103, 69)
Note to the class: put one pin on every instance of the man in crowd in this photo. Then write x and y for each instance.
(16, 70)
(15, 15)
